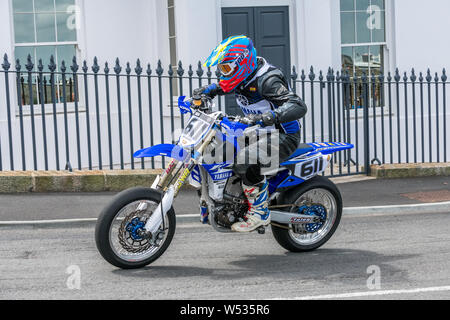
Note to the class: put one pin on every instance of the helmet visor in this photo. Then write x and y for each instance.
(226, 69)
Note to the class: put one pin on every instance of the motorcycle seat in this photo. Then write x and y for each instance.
(303, 148)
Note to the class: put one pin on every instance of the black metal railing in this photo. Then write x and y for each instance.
(95, 117)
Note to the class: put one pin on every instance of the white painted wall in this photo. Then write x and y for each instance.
(315, 37)
(196, 32)
(6, 29)
(421, 29)
(111, 29)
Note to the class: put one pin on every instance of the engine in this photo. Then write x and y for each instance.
(234, 205)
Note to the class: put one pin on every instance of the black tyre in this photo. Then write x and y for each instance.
(124, 248)
(299, 240)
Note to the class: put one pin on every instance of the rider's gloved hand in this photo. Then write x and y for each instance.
(265, 120)
(211, 90)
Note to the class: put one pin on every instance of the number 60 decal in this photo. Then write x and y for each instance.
(310, 167)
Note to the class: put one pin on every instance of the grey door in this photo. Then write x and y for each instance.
(268, 27)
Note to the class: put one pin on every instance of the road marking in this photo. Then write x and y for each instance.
(370, 293)
(438, 207)
(404, 208)
(37, 222)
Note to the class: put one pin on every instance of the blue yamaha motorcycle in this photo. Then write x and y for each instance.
(138, 225)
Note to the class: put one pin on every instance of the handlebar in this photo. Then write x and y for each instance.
(203, 102)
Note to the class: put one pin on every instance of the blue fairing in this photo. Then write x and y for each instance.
(168, 150)
(234, 130)
(315, 148)
(275, 181)
(331, 147)
(219, 171)
(185, 107)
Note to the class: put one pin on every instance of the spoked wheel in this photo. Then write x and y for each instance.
(120, 235)
(319, 197)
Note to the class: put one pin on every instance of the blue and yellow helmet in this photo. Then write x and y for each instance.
(236, 59)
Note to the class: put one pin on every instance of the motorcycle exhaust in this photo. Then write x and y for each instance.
(155, 220)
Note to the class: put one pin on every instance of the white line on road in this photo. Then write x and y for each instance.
(56, 221)
(438, 207)
(369, 293)
(404, 208)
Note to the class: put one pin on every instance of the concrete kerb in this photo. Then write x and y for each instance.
(75, 181)
(410, 170)
(117, 180)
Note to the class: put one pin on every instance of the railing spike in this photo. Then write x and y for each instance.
(63, 66)
(40, 65)
(74, 66)
(117, 67)
(95, 67)
(444, 75)
(30, 65)
(85, 67)
(106, 69)
(180, 70)
(159, 69)
(138, 68)
(6, 65)
(199, 70)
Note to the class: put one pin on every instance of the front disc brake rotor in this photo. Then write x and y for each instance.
(130, 233)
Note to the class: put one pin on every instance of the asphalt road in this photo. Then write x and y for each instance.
(45, 206)
(409, 252)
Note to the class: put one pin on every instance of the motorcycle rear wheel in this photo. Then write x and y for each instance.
(322, 192)
(116, 232)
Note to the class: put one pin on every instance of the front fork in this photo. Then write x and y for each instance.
(170, 190)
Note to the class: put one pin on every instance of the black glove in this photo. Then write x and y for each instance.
(211, 91)
(265, 120)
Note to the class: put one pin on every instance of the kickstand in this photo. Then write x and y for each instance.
(261, 230)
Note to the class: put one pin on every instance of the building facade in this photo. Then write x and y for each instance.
(359, 36)
(319, 33)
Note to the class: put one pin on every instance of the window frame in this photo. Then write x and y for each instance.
(34, 45)
(355, 44)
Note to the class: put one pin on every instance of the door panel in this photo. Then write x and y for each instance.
(272, 37)
(268, 27)
(237, 21)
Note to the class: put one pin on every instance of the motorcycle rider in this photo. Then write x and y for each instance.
(264, 95)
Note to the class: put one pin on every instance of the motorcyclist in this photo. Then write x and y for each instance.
(264, 95)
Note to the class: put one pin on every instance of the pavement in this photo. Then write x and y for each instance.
(357, 192)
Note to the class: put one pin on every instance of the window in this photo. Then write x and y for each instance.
(43, 28)
(363, 39)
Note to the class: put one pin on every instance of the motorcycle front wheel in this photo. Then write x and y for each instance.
(318, 196)
(119, 233)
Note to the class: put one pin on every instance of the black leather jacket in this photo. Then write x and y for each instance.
(273, 86)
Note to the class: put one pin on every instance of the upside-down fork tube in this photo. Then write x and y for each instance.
(166, 174)
(155, 220)
(195, 159)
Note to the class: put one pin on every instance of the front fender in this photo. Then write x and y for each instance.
(167, 150)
